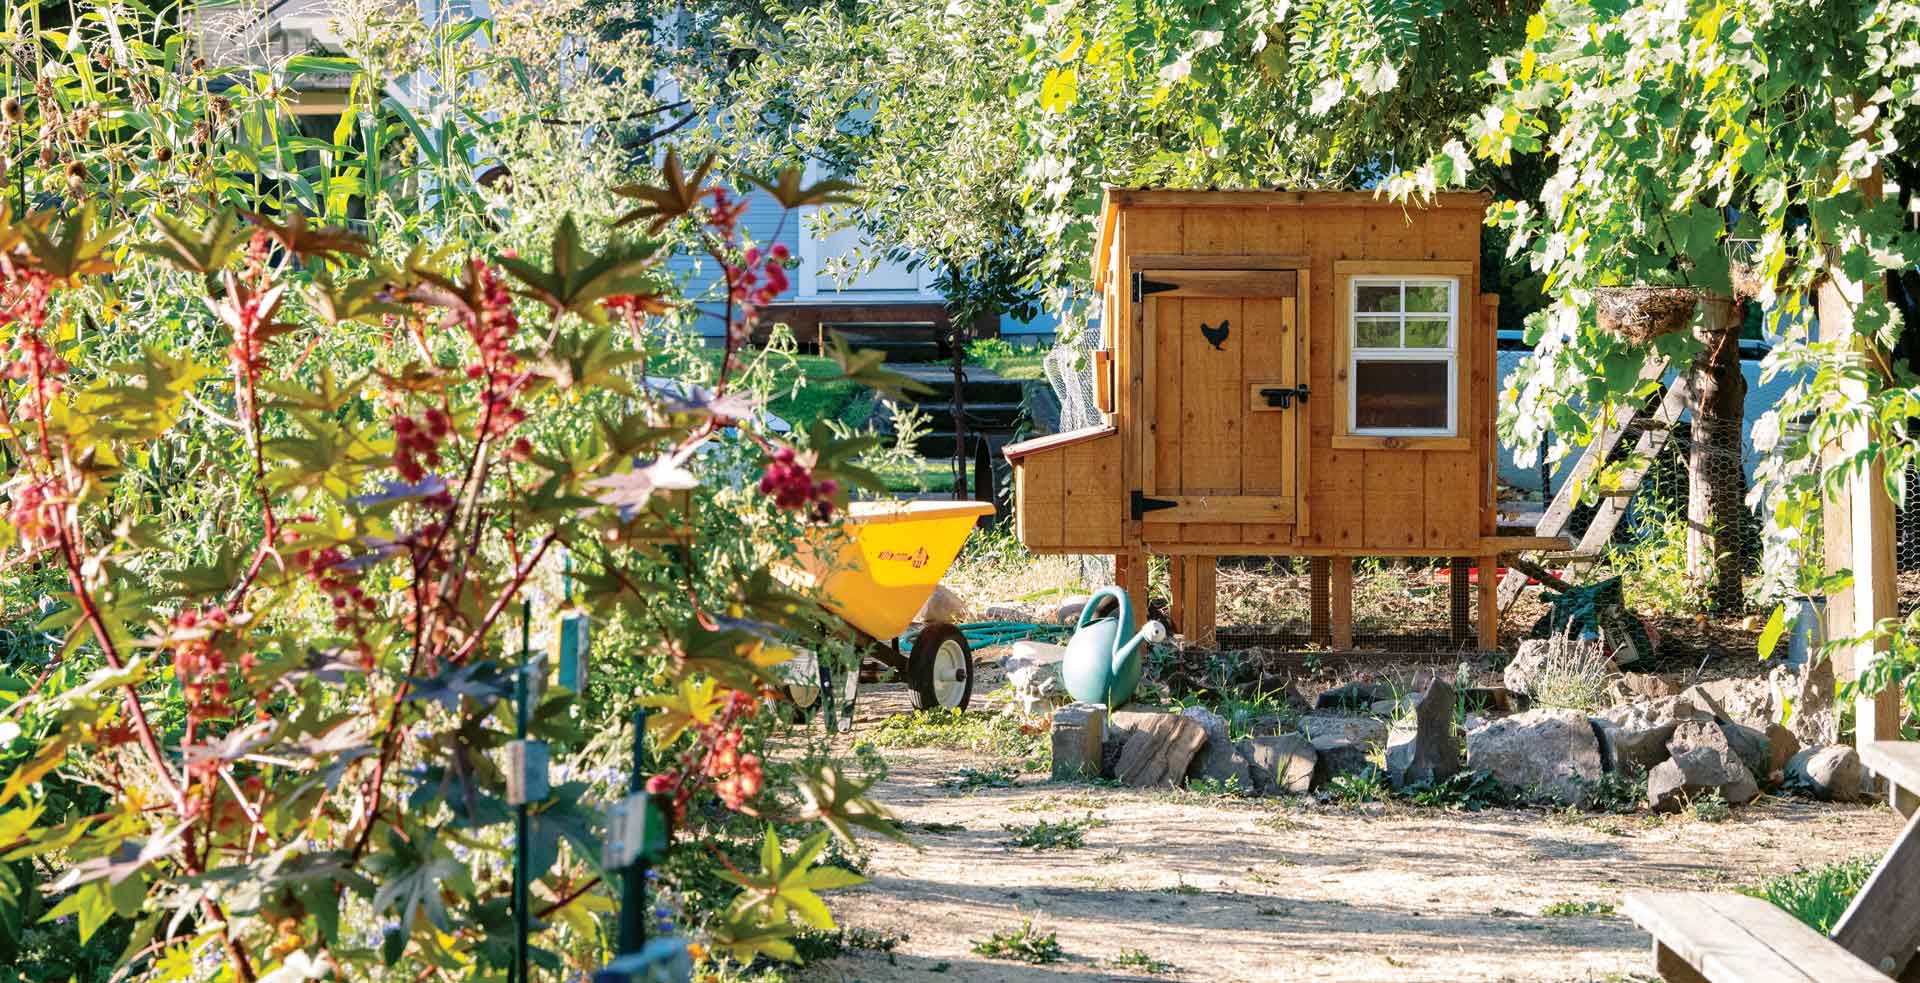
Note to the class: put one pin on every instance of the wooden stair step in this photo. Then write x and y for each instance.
(1732, 938)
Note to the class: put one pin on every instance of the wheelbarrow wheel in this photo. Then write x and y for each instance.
(940, 669)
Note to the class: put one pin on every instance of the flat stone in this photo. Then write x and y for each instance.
(1425, 749)
(1282, 764)
(1831, 773)
(1547, 753)
(1521, 673)
(1810, 692)
(1630, 687)
(1067, 612)
(943, 607)
(1703, 760)
(1782, 745)
(1342, 744)
(1353, 696)
(1218, 760)
(1738, 699)
(1079, 731)
(1158, 752)
(1750, 745)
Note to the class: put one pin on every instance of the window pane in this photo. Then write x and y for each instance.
(1377, 333)
(1377, 298)
(1426, 332)
(1427, 298)
(1400, 395)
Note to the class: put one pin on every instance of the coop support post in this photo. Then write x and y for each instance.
(1459, 599)
(1320, 610)
(1488, 613)
(1340, 601)
(1859, 529)
(1716, 477)
(1130, 575)
(1193, 597)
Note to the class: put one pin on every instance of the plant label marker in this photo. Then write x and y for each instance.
(526, 771)
(575, 637)
(631, 824)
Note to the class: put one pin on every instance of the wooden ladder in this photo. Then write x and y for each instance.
(1655, 429)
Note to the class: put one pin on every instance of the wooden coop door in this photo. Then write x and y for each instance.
(1224, 406)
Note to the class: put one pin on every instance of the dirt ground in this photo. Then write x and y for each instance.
(1220, 888)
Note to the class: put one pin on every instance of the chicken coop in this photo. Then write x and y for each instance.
(1282, 374)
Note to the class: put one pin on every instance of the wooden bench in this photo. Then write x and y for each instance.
(1726, 938)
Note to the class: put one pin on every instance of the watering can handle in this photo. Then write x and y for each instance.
(1093, 603)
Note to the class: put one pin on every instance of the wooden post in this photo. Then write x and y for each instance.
(1859, 528)
(1177, 593)
(1130, 575)
(1459, 601)
(1489, 613)
(1716, 476)
(1194, 598)
(1320, 614)
(1340, 598)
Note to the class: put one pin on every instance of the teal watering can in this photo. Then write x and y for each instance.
(1101, 665)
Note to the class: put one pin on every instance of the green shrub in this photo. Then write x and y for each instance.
(1024, 944)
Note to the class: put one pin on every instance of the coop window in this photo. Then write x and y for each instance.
(1402, 355)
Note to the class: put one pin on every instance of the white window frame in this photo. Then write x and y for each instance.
(1355, 354)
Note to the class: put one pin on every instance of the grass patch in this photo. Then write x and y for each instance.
(1574, 675)
(1359, 788)
(1067, 834)
(964, 730)
(1577, 909)
(1025, 944)
(1708, 808)
(1817, 896)
(1008, 360)
(1138, 961)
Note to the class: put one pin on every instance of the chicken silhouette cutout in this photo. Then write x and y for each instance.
(1217, 337)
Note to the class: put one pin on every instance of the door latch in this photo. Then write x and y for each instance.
(1282, 397)
(1142, 504)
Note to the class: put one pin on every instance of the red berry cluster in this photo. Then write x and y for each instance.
(759, 280)
(789, 479)
(199, 664)
(736, 774)
(492, 326)
(324, 568)
(416, 442)
(723, 215)
(28, 357)
(249, 339)
(35, 512)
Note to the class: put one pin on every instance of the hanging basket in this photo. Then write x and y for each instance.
(1644, 313)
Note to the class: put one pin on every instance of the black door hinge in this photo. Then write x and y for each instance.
(1142, 504)
(1282, 397)
(1143, 286)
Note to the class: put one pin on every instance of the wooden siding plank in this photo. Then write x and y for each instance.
(1337, 505)
(1165, 428)
(1040, 504)
(1092, 495)
(1222, 283)
(1394, 484)
(1270, 450)
(1142, 231)
(1452, 499)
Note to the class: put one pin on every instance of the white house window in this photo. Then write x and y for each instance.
(1403, 351)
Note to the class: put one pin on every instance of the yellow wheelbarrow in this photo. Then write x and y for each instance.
(875, 573)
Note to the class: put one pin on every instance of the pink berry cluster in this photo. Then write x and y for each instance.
(790, 481)
(417, 440)
(29, 358)
(35, 512)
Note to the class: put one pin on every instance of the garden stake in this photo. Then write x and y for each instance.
(520, 820)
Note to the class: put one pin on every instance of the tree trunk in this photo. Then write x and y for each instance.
(958, 336)
(1716, 475)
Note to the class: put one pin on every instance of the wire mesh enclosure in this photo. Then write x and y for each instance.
(1405, 606)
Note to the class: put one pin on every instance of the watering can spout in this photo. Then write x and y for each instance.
(1102, 663)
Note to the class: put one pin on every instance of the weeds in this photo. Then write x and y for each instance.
(1217, 786)
(1619, 791)
(1367, 785)
(1577, 909)
(1180, 886)
(964, 730)
(1068, 834)
(1708, 808)
(1024, 944)
(813, 945)
(1139, 961)
(1468, 790)
(1817, 896)
(969, 779)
